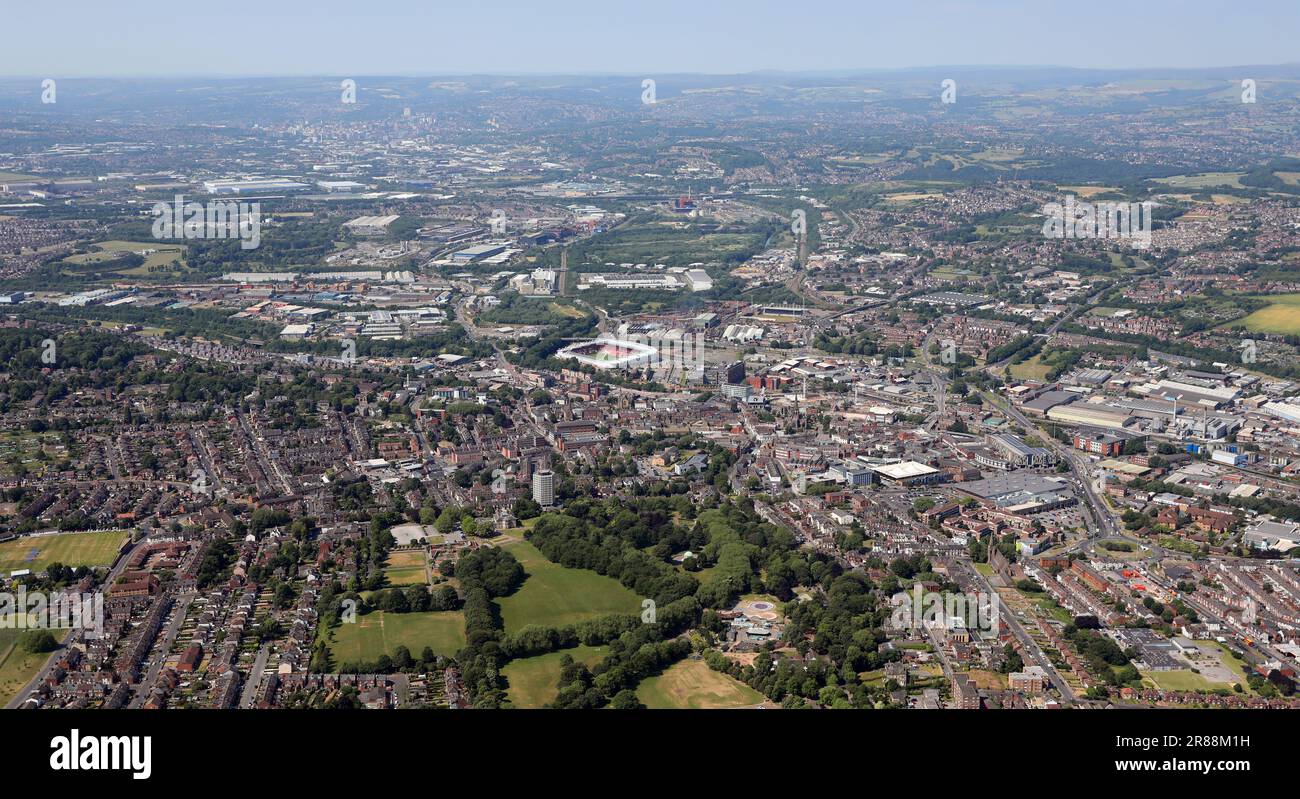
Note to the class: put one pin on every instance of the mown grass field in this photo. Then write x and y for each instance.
(534, 681)
(554, 596)
(163, 254)
(406, 567)
(1182, 680)
(1030, 369)
(691, 684)
(70, 549)
(16, 665)
(1282, 316)
(379, 633)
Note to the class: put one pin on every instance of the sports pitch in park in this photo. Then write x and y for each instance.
(379, 633)
(406, 567)
(555, 596)
(692, 684)
(535, 681)
(70, 549)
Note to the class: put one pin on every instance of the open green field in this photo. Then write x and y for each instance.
(673, 243)
(163, 258)
(145, 330)
(554, 596)
(1183, 680)
(567, 311)
(1282, 316)
(379, 633)
(16, 177)
(103, 250)
(1030, 369)
(534, 681)
(1088, 191)
(910, 197)
(864, 159)
(70, 549)
(406, 567)
(704, 575)
(17, 666)
(693, 685)
(1202, 180)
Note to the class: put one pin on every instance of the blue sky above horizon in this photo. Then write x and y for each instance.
(79, 38)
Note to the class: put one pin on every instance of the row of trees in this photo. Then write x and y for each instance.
(485, 574)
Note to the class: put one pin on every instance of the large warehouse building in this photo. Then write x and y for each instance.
(1090, 416)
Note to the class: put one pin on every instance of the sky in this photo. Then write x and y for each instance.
(82, 38)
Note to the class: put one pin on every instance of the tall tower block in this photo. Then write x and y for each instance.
(564, 272)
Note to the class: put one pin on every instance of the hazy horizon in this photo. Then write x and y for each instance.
(582, 37)
(828, 73)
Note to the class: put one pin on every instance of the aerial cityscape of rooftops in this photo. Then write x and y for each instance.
(969, 388)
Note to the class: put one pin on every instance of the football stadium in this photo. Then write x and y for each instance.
(609, 353)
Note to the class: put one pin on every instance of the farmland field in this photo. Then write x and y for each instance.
(554, 595)
(1283, 316)
(533, 681)
(1088, 191)
(692, 684)
(70, 549)
(379, 633)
